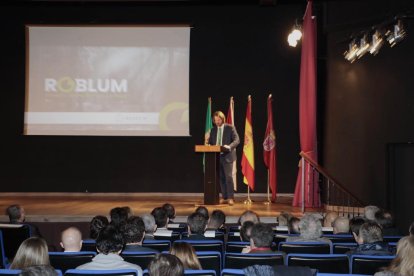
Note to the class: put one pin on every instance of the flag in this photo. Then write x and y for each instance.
(269, 149)
(209, 126)
(247, 162)
(230, 121)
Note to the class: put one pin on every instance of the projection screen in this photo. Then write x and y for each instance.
(107, 80)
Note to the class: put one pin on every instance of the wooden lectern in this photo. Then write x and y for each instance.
(211, 173)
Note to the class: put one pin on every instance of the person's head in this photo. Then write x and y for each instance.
(186, 253)
(165, 264)
(128, 210)
(97, 223)
(39, 270)
(71, 240)
(411, 229)
(16, 213)
(196, 223)
(403, 263)
(32, 251)
(110, 240)
(355, 224)
(249, 216)
(329, 219)
(283, 219)
(149, 223)
(341, 225)
(310, 227)
(202, 211)
(119, 215)
(293, 225)
(384, 219)
(160, 216)
(219, 118)
(169, 208)
(133, 230)
(246, 230)
(217, 220)
(369, 212)
(369, 232)
(261, 235)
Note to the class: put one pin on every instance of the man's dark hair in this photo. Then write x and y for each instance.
(119, 216)
(165, 264)
(133, 230)
(355, 223)
(197, 223)
(169, 208)
(14, 212)
(97, 224)
(245, 230)
(217, 219)
(370, 232)
(109, 240)
(384, 219)
(262, 235)
(293, 223)
(203, 211)
(160, 216)
(38, 270)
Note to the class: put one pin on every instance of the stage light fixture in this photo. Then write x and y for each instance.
(295, 35)
(376, 43)
(351, 54)
(397, 34)
(363, 46)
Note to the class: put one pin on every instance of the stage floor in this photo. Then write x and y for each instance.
(83, 206)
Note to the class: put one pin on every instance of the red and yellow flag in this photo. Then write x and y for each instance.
(247, 162)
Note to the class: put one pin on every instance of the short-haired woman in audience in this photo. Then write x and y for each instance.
(31, 252)
(186, 253)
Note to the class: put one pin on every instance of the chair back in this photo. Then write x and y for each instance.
(202, 272)
(328, 263)
(89, 272)
(174, 236)
(70, 260)
(337, 238)
(236, 247)
(3, 259)
(89, 245)
(13, 236)
(342, 248)
(205, 245)
(159, 245)
(365, 264)
(210, 260)
(242, 260)
(139, 258)
(232, 272)
(305, 247)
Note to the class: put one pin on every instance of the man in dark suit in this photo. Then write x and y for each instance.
(133, 233)
(225, 135)
(197, 224)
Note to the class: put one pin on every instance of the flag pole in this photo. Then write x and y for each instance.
(248, 201)
(268, 202)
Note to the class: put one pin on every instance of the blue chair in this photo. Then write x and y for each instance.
(160, 245)
(278, 238)
(332, 263)
(338, 274)
(205, 245)
(13, 236)
(339, 238)
(232, 272)
(3, 259)
(114, 272)
(342, 248)
(10, 272)
(236, 247)
(70, 260)
(242, 260)
(392, 238)
(88, 245)
(234, 228)
(233, 237)
(210, 260)
(305, 247)
(366, 264)
(139, 258)
(202, 272)
(218, 236)
(174, 236)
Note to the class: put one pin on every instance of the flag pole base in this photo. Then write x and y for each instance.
(248, 201)
(267, 202)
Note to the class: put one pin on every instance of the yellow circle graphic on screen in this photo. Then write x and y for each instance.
(66, 84)
(174, 106)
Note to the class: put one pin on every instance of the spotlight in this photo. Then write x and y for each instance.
(397, 34)
(363, 47)
(376, 43)
(351, 54)
(295, 35)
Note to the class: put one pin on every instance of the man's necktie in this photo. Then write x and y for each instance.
(219, 136)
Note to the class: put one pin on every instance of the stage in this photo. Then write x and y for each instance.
(66, 207)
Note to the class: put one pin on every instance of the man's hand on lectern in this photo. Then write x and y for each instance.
(227, 147)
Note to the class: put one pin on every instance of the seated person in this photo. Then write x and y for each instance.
(203, 211)
(293, 225)
(97, 223)
(17, 215)
(261, 239)
(133, 233)
(217, 221)
(329, 219)
(355, 224)
(283, 219)
(39, 270)
(32, 251)
(186, 253)
(370, 241)
(161, 219)
(249, 216)
(71, 240)
(150, 226)
(245, 231)
(119, 216)
(386, 221)
(169, 208)
(310, 229)
(341, 226)
(109, 245)
(369, 212)
(196, 227)
(165, 264)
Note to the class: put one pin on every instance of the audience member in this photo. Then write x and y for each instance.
(109, 245)
(32, 251)
(355, 224)
(369, 212)
(161, 218)
(186, 253)
(17, 215)
(150, 226)
(128, 210)
(386, 221)
(341, 226)
(203, 211)
(249, 216)
(165, 264)
(71, 240)
(169, 208)
(246, 230)
(119, 216)
(283, 219)
(293, 225)
(196, 227)
(39, 270)
(403, 263)
(329, 219)
(261, 239)
(97, 224)
(411, 229)
(217, 221)
(133, 233)
(310, 229)
(370, 241)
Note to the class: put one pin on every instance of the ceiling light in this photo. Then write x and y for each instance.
(376, 43)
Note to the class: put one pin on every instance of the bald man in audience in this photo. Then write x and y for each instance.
(71, 240)
(341, 226)
(329, 219)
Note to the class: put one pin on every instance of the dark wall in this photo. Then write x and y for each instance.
(369, 103)
(235, 51)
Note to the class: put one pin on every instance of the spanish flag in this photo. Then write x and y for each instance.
(247, 162)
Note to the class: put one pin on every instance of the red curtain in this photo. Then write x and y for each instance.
(307, 113)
